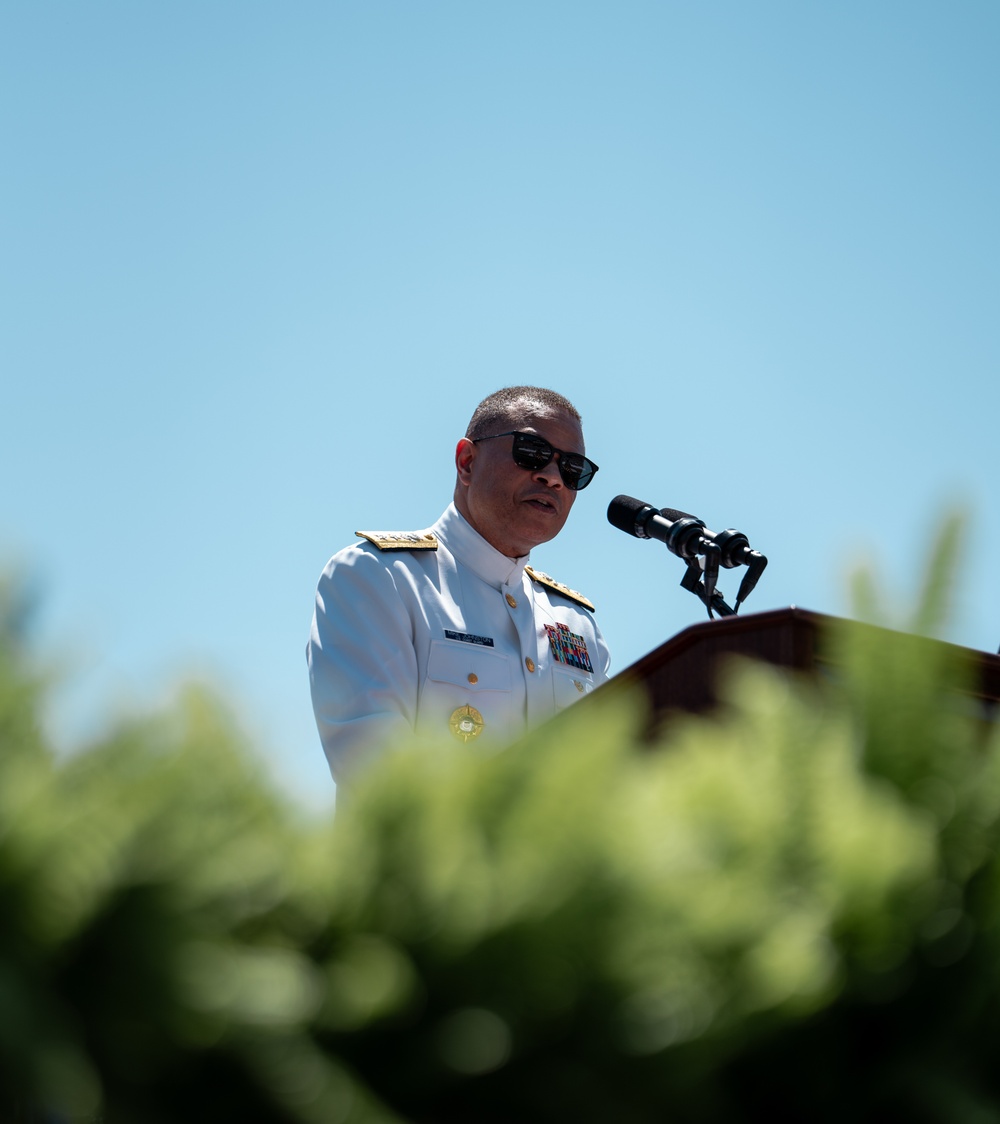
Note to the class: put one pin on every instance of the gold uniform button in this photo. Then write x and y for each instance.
(473, 677)
(578, 685)
(529, 663)
(511, 601)
(466, 723)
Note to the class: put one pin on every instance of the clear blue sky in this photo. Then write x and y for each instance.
(260, 261)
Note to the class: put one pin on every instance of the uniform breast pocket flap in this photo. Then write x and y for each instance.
(570, 684)
(472, 666)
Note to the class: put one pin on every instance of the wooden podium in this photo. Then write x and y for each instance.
(681, 674)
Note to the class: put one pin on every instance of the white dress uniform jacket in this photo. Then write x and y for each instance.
(437, 632)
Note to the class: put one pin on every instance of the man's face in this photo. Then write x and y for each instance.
(514, 508)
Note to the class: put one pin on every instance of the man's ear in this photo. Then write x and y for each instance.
(465, 454)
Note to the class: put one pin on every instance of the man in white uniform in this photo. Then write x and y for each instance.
(448, 631)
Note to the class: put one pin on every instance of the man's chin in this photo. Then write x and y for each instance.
(543, 529)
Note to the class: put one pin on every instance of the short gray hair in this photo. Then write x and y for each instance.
(502, 407)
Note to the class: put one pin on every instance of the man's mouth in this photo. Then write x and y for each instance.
(543, 503)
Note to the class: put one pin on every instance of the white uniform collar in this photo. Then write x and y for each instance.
(472, 550)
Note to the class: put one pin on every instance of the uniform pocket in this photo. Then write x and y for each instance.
(460, 676)
(569, 684)
(470, 666)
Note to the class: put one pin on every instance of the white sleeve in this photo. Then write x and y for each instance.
(602, 665)
(362, 660)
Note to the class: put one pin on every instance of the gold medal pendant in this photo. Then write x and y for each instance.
(466, 723)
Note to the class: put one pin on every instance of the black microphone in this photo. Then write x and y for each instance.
(682, 536)
(681, 533)
(687, 536)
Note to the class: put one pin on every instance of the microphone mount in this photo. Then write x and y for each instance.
(703, 551)
(713, 599)
(733, 549)
(684, 538)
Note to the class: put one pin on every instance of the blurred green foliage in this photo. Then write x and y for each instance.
(788, 910)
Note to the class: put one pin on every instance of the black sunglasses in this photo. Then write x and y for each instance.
(533, 452)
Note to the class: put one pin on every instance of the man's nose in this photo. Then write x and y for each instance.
(550, 474)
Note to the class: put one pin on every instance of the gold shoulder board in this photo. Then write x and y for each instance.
(400, 540)
(544, 579)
